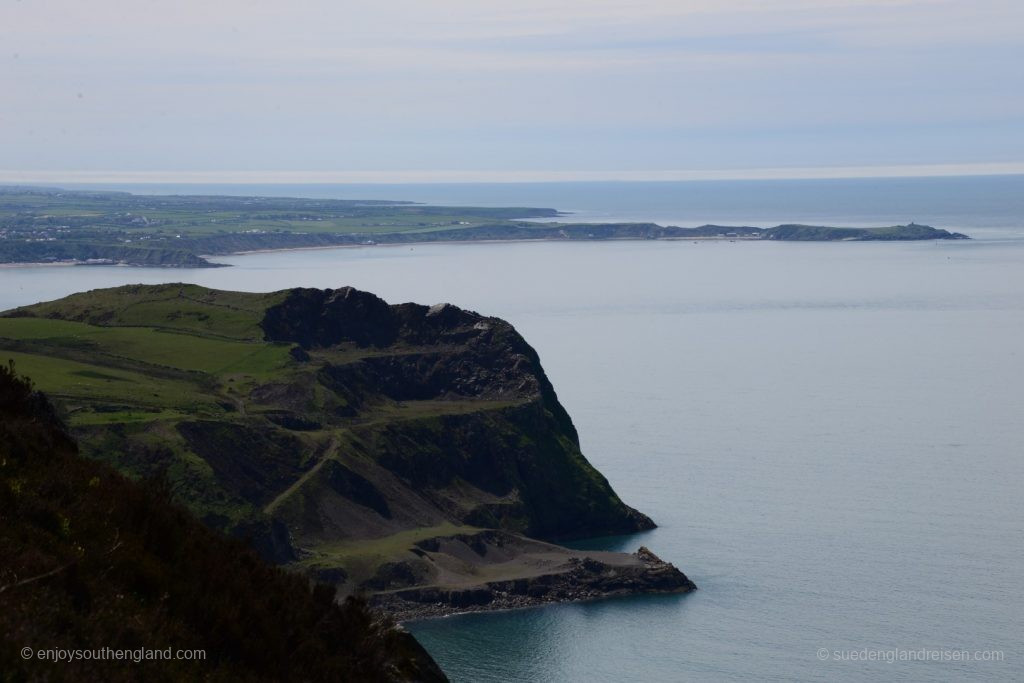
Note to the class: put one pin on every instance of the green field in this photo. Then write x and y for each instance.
(142, 397)
(153, 345)
(134, 355)
(180, 307)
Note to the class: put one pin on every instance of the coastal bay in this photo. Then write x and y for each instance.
(735, 392)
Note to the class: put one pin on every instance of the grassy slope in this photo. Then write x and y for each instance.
(184, 351)
(107, 368)
(181, 307)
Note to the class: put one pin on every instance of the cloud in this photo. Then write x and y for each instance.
(232, 82)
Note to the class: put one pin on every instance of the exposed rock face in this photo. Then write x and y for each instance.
(466, 354)
(318, 317)
(527, 454)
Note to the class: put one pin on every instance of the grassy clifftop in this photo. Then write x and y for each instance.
(320, 423)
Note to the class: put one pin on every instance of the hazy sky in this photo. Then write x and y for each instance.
(393, 89)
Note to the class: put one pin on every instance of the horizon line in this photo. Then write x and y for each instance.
(228, 177)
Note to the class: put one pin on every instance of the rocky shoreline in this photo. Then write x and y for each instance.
(582, 579)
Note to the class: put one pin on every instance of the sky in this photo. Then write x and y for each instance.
(419, 90)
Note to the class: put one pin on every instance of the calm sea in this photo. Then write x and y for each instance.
(829, 435)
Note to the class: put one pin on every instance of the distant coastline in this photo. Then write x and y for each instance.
(51, 226)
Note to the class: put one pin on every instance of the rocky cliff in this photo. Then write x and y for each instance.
(338, 433)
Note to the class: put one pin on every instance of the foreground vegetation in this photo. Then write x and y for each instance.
(40, 225)
(92, 560)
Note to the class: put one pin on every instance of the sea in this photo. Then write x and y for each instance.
(830, 436)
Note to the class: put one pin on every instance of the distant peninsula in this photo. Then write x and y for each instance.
(56, 226)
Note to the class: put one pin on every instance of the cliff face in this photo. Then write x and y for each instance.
(332, 430)
(92, 560)
(523, 452)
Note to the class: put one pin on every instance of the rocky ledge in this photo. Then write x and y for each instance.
(547, 574)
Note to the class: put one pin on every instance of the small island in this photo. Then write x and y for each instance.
(56, 226)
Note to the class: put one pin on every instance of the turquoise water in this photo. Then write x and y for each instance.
(829, 435)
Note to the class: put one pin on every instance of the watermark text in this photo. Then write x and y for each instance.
(923, 654)
(137, 655)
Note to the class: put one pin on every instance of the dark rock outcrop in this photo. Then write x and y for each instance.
(325, 317)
